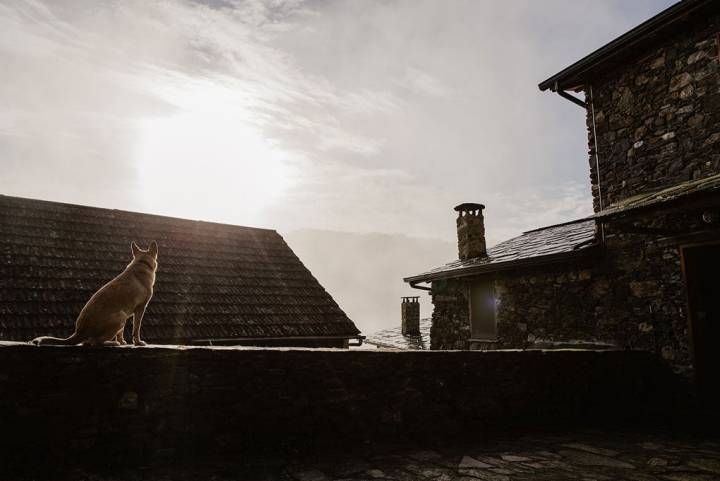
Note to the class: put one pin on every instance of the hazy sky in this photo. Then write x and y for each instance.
(346, 115)
(366, 116)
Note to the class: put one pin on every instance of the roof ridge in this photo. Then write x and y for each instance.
(145, 214)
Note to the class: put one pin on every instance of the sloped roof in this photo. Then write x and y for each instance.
(393, 338)
(691, 188)
(214, 281)
(545, 245)
(676, 17)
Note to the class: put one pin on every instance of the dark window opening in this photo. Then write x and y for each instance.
(701, 267)
(482, 310)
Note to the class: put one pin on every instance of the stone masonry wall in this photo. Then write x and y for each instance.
(64, 406)
(658, 116)
(631, 296)
(450, 327)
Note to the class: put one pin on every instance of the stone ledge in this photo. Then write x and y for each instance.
(73, 403)
(178, 347)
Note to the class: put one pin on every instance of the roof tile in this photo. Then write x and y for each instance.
(214, 281)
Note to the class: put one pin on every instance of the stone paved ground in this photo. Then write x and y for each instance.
(578, 456)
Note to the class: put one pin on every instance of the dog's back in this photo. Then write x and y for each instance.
(103, 318)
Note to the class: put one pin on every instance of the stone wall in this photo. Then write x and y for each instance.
(451, 315)
(75, 405)
(631, 296)
(657, 116)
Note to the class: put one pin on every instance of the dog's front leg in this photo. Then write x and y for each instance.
(120, 337)
(137, 322)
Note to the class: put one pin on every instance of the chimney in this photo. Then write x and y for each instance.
(470, 231)
(410, 311)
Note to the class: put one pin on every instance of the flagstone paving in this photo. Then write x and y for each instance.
(578, 456)
(586, 456)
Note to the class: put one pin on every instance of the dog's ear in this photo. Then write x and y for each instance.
(153, 248)
(135, 249)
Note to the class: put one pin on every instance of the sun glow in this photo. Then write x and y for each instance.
(210, 160)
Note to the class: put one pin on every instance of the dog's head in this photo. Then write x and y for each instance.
(148, 256)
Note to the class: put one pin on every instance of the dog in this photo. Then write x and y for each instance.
(102, 320)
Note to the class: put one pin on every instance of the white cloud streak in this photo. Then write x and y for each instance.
(373, 116)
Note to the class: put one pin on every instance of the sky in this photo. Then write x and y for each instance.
(318, 117)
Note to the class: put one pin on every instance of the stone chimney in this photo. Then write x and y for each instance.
(471, 231)
(410, 311)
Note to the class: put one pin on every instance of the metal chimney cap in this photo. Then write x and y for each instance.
(468, 207)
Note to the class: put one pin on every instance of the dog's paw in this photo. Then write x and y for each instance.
(138, 342)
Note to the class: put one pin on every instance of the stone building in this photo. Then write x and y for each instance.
(216, 283)
(640, 272)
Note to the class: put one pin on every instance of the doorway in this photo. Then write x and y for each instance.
(701, 267)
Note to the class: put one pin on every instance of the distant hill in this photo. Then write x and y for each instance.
(364, 272)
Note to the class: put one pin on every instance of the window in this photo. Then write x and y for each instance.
(482, 310)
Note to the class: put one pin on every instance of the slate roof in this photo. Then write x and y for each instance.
(393, 338)
(214, 281)
(548, 244)
(706, 186)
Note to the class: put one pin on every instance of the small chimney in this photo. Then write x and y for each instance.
(471, 231)
(410, 311)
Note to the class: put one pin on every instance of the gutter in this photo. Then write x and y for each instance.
(286, 338)
(414, 285)
(503, 266)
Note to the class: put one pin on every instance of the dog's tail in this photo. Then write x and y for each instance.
(56, 341)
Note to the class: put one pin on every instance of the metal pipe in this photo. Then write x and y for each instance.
(572, 98)
(597, 160)
(556, 88)
(414, 285)
(585, 105)
(288, 338)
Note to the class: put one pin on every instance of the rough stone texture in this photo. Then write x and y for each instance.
(471, 235)
(657, 116)
(451, 327)
(410, 314)
(632, 296)
(114, 405)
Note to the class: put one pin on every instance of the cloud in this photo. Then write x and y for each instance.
(374, 116)
(416, 99)
(423, 83)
